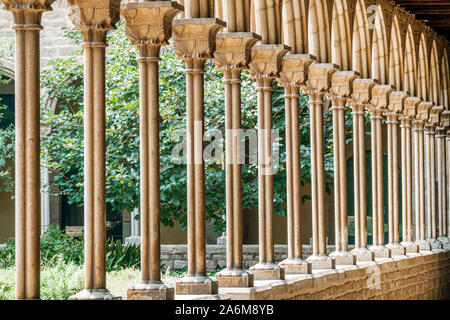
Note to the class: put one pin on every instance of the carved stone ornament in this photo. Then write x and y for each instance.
(445, 119)
(233, 49)
(410, 107)
(435, 114)
(362, 90)
(319, 76)
(294, 70)
(27, 12)
(266, 60)
(94, 14)
(196, 38)
(380, 97)
(396, 101)
(149, 22)
(423, 110)
(342, 83)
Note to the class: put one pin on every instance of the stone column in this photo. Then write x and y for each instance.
(430, 154)
(422, 115)
(379, 103)
(442, 176)
(265, 65)
(135, 234)
(149, 26)
(27, 26)
(292, 76)
(341, 89)
(194, 40)
(362, 94)
(394, 110)
(232, 55)
(94, 19)
(409, 113)
(447, 166)
(45, 199)
(319, 76)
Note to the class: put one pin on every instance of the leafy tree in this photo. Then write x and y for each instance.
(63, 146)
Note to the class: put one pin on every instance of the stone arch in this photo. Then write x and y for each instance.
(444, 80)
(199, 8)
(360, 41)
(7, 68)
(422, 69)
(295, 25)
(434, 75)
(266, 20)
(396, 56)
(235, 12)
(340, 35)
(379, 47)
(318, 31)
(410, 68)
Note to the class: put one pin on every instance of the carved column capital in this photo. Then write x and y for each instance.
(362, 91)
(234, 49)
(94, 18)
(380, 98)
(195, 38)
(396, 104)
(149, 23)
(445, 120)
(294, 69)
(319, 77)
(434, 118)
(342, 86)
(410, 108)
(27, 14)
(266, 60)
(423, 112)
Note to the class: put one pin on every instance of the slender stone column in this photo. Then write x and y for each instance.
(341, 89)
(447, 166)
(265, 65)
(292, 76)
(27, 26)
(409, 113)
(379, 103)
(94, 20)
(422, 116)
(149, 26)
(442, 176)
(232, 55)
(194, 43)
(362, 94)
(394, 110)
(319, 76)
(430, 153)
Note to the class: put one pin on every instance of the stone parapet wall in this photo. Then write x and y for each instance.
(420, 277)
(175, 256)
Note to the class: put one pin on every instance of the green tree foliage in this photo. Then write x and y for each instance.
(62, 147)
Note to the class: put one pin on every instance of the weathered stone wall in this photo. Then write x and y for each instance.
(417, 278)
(53, 44)
(175, 256)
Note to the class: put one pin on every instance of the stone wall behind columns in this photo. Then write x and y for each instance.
(53, 44)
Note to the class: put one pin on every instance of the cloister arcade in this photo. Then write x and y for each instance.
(368, 55)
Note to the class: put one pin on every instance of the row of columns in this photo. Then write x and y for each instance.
(197, 38)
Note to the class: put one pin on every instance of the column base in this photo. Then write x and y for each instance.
(396, 249)
(444, 240)
(268, 271)
(410, 247)
(95, 294)
(343, 258)
(193, 285)
(434, 243)
(133, 240)
(295, 266)
(380, 251)
(235, 278)
(321, 261)
(363, 254)
(150, 291)
(423, 245)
